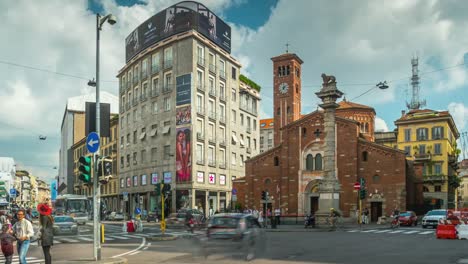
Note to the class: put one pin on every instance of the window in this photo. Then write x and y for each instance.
(233, 94)
(211, 85)
(154, 154)
(211, 61)
(135, 180)
(437, 148)
(241, 161)
(437, 188)
(201, 55)
(222, 90)
(134, 137)
(143, 156)
(155, 62)
(154, 107)
(167, 103)
(167, 82)
(134, 158)
(222, 112)
(278, 111)
(122, 183)
(200, 79)
(122, 122)
(233, 158)
(304, 131)
(376, 178)
(144, 68)
(422, 134)
(364, 156)
(318, 162)
(407, 135)
(234, 73)
(167, 152)
(248, 123)
(255, 144)
(211, 156)
(222, 68)
(211, 131)
(155, 87)
(168, 57)
(222, 157)
(200, 106)
(254, 125)
(200, 154)
(422, 149)
(437, 132)
(276, 161)
(242, 119)
(122, 162)
(425, 189)
(309, 162)
(222, 132)
(233, 116)
(143, 110)
(408, 150)
(128, 139)
(438, 169)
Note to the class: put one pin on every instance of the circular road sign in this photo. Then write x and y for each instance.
(357, 186)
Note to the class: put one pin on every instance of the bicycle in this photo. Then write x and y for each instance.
(395, 223)
(334, 223)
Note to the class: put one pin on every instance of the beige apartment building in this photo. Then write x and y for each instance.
(186, 118)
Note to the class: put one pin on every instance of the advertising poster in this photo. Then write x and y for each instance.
(212, 178)
(183, 157)
(143, 179)
(200, 177)
(167, 177)
(183, 115)
(183, 85)
(135, 180)
(129, 182)
(222, 179)
(154, 178)
(176, 19)
(122, 183)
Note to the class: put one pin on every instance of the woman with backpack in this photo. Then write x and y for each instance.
(46, 238)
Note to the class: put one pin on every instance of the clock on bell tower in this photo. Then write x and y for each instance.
(286, 92)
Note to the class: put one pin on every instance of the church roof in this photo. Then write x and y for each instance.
(287, 56)
(347, 105)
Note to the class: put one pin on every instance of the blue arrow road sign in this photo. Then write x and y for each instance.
(92, 142)
(12, 191)
(234, 191)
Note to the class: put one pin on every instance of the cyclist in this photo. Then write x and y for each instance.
(333, 216)
(396, 213)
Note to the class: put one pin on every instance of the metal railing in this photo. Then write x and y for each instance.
(212, 140)
(212, 92)
(212, 115)
(222, 74)
(212, 163)
(200, 87)
(222, 165)
(154, 92)
(143, 97)
(167, 64)
(222, 97)
(212, 68)
(155, 69)
(201, 61)
(200, 111)
(222, 118)
(200, 136)
(167, 88)
(200, 162)
(249, 130)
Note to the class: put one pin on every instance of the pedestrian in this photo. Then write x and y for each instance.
(28, 215)
(46, 239)
(365, 218)
(277, 215)
(23, 231)
(260, 219)
(7, 240)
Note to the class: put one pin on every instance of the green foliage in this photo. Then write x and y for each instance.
(454, 181)
(250, 82)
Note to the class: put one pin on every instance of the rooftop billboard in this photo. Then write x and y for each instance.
(175, 19)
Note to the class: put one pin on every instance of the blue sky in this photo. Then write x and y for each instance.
(360, 42)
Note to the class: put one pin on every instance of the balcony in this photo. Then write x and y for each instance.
(200, 136)
(127, 106)
(212, 92)
(222, 165)
(135, 80)
(222, 142)
(135, 101)
(249, 130)
(212, 115)
(143, 97)
(167, 88)
(129, 84)
(201, 61)
(433, 178)
(200, 111)
(212, 163)
(222, 74)
(154, 92)
(200, 162)
(422, 157)
(167, 64)
(222, 97)
(222, 119)
(212, 141)
(213, 68)
(249, 150)
(155, 69)
(200, 88)
(144, 74)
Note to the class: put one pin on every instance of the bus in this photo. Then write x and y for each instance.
(76, 206)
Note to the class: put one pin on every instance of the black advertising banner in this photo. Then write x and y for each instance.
(178, 18)
(183, 85)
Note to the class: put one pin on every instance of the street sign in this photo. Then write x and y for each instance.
(234, 191)
(234, 198)
(12, 192)
(357, 186)
(92, 142)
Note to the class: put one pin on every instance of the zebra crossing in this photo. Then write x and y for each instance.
(16, 259)
(400, 231)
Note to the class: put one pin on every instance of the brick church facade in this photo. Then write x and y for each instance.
(292, 169)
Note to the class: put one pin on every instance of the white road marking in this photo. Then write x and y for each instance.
(383, 231)
(353, 231)
(369, 231)
(66, 239)
(397, 231)
(131, 251)
(426, 232)
(411, 232)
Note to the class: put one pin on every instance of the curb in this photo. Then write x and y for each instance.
(321, 229)
(162, 238)
(91, 261)
(462, 261)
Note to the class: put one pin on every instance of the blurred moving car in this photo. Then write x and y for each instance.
(115, 216)
(152, 216)
(432, 218)
(234, 233)
(408, 218)
(64, 224)
(178, 219)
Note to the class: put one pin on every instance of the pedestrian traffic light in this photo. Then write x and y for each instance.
(166, 189)
(263, 195)
(362, 194)
(85, 169)
(105, 170)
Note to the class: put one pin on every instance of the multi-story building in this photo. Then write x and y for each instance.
(429, 138)
(463, 189)
(109, 148)
(7, 178)
(33, 191)
(72, 131)
(266, 134)
(23, 185)
(184, 112)
(43, 191)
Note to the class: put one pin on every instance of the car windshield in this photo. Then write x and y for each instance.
(63, 219)
(225, 222)
(405, 214)
(437, 213)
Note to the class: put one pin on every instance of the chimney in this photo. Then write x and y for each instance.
(402, 113)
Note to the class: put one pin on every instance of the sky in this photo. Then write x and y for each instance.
(48, 54)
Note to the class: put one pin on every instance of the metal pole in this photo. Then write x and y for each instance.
(97, 190)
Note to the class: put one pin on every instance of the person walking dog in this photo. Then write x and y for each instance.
(46, 239)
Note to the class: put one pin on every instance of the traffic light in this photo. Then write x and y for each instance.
(166, 189)
(263, 195)
(105, 170)
(158, 188)
(362, 194)
(85, 169)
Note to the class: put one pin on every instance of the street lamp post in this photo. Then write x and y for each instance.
(97, 190)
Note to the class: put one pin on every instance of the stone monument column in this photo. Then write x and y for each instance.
(329, 187)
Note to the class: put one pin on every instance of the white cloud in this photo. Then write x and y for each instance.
(459, 114)
(380, 125)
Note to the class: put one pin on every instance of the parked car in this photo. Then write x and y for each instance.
(432, 218)
(115, 216)
(152, 216)
(178, 219)
(234, 233)
(408, 218)
(64, 224)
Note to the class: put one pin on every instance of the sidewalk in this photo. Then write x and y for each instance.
(346, 226)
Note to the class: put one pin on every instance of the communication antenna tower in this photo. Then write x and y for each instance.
(415, 103)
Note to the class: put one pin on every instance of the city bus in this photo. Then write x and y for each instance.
(76, 206)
